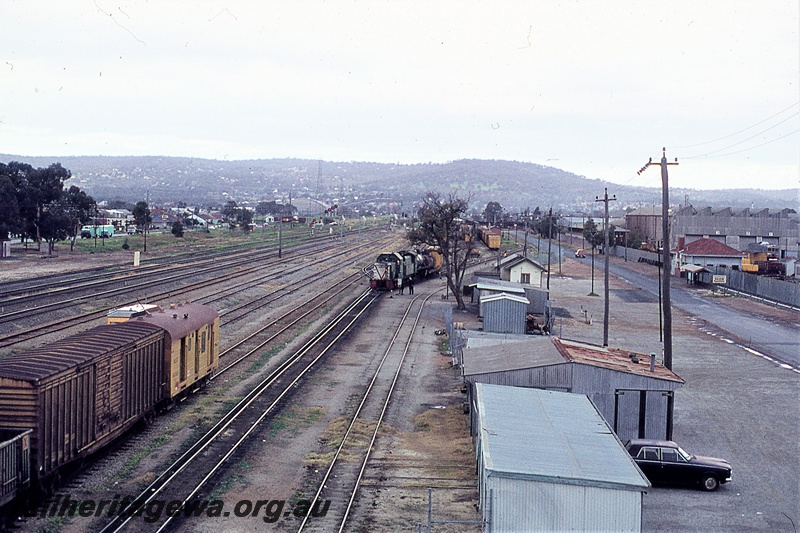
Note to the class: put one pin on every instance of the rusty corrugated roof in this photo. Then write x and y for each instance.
(613, 358)
(73, 351)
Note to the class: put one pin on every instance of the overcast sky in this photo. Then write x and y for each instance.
(592, 87)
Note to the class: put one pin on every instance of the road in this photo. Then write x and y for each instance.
(773, 339)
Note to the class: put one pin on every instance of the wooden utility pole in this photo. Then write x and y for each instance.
(665, 256)
(549, 243)
(605, 199)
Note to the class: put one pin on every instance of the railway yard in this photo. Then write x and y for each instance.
(325, 385)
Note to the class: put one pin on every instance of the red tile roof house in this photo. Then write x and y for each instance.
(707, 253)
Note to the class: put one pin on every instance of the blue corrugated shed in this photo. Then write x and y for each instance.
(555, 436)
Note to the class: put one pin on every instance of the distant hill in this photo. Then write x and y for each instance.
(515, 185)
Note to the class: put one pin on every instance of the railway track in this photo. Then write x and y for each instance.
(342, 479)
(13, 291)
(185, 479)
(138, 280)
(34, 331)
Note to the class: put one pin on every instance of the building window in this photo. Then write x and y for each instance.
(525, 277)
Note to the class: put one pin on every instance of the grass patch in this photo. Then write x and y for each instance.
(264, 357)
(294, 420)
(237, 478)
(54, 524)
(137, 456)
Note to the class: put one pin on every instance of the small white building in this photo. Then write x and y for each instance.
(547, 461)
(519, 269)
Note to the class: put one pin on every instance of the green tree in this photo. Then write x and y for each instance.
(177, 228)
(35, 190)
(9, 207)
(493, 213)
(244, 218)
(594, 234)
(441, 225)
(547, 226)
(77, 208)
(230, 211)
(141, 216)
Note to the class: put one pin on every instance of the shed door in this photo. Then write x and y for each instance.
(640, 414)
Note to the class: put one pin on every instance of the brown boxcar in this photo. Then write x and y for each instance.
(15, 463)
(79, 393)
(191, 345)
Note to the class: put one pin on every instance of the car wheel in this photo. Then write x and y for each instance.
(710, 483)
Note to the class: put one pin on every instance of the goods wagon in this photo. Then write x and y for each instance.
(64, 401)
(79, 393)
(491, 237)
(15, 463)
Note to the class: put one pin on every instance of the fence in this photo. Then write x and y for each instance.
(773, 289)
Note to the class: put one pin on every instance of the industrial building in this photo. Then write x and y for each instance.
(632, 391)
(736, 228)
(547, 461)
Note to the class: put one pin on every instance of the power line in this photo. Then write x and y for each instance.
(740, 131)
(708, 156)
(747, 139)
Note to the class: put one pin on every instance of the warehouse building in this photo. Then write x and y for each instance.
(547, 461)
(632, 391)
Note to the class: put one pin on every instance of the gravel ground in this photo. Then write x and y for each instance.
(734, 405)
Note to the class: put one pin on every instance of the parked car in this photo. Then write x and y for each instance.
(664, 462)
(580, 253)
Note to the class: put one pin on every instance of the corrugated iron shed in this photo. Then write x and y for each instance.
(551, 436)
(547, 461)
(504, 313)
(525, 351)
(505, 296)
(613, 359)
(498, 286)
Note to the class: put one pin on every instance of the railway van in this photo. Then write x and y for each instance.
(191, 345)
(66, 400)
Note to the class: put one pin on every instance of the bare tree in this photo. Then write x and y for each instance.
(441, 225)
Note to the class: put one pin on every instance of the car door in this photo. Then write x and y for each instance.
(674, 468)
(649, 461)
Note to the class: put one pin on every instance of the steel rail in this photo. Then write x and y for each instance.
(158, 485)
(354, 418)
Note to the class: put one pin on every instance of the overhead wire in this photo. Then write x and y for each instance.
(708, 156)
(740, 131)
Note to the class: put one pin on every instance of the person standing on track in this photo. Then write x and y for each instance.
(410, 286)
